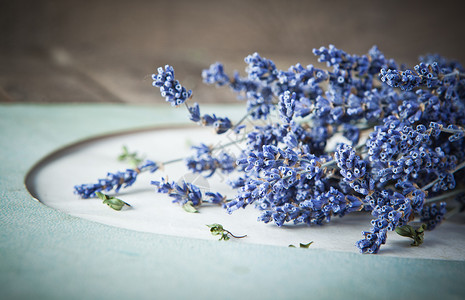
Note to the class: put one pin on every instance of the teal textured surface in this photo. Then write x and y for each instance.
(48, 254)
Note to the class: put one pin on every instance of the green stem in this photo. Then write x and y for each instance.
(453, 131)
(234, 236)
(445, 196)
(172, 161)
(213, 149)
(228, 144)
(451, 74)
(242, 119)
(460, 166)
(360, 146)
(430, 184)
(329, 164)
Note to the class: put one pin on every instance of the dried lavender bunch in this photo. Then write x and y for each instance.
(402, 146)
(414, 120)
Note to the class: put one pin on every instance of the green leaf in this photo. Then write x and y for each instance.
(224, 236)
(135, 161)
(124, 155)
(132, 158)
(113, 202)
(189, 207)
(405, 230)
(101, 196)
(216, 229)
(305, 245)
(421, 229)
(301, 245)
(418, 235)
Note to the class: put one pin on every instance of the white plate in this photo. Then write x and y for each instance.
(52, 180)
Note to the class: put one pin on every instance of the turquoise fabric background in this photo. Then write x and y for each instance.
(46, 254)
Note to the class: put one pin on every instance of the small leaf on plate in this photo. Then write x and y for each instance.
(113, 202)
(418, 235)
(301, 245)
(216, 229)
(305, 245)
(189, 207)
(123, 155)
(224, 236)
(405, 230)
(101, 195)
(132, 158)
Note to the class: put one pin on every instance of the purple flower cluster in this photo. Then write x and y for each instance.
(390, 210)
(185, 192)
(208, 159)
(220, 125)
(170, 88)
(260, 68)
(290, 185)
(431, 74)
(114, 181)
(215, 75)
(372, 240)
(353, 169)
(256, 87)
(432, 215)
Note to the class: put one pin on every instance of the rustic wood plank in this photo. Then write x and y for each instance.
(105, 51)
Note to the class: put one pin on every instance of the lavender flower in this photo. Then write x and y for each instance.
(215, 75)
(114, 181)
(220, 125)
(433, 215)
(334, 57)
(261, 69)
(170, 88)
(353, 169)
(205, 160)
(287, 106)
(406, 80)
(181, 193)
(186, 192)
(372, 241)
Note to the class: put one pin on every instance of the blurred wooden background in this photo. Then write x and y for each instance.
(105, 51)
